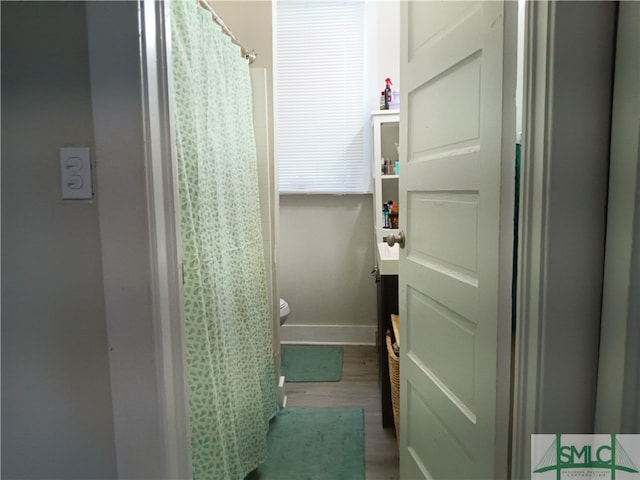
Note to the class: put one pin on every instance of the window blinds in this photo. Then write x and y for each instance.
(319, 97)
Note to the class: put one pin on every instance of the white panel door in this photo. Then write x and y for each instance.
(458, 143)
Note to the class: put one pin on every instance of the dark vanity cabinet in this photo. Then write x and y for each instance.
(387, 304)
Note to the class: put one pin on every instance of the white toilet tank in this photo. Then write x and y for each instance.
(284, 311)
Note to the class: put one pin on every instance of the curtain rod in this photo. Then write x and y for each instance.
(250, 55)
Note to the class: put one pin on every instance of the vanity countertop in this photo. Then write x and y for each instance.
(387, 258)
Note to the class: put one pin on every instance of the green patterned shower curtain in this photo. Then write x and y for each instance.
(231, 377)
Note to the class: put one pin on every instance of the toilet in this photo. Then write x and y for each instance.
(284, 311)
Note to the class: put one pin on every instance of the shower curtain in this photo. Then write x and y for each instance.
(231, 377)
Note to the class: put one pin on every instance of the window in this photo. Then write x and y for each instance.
(320, 100)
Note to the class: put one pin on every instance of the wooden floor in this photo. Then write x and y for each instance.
(358, 388)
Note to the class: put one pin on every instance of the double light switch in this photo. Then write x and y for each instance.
(75, 173)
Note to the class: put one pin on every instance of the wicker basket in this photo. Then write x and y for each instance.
(394, 376)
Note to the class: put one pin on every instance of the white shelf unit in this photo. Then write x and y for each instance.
(386, 134)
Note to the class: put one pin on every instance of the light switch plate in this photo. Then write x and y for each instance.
(75, 173)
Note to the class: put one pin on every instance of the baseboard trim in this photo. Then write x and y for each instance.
(328, 334)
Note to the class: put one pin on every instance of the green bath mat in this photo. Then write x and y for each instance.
(314, 444)
(312, 363)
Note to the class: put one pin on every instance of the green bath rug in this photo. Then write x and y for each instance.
(314, 444)
(312, 363)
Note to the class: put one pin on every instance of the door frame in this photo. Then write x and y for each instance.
(166, 248)
(138, 232)
(534, 240)
(618, 402)
(544, 334)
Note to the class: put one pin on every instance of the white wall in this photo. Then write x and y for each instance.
(387, 51)
(56, 399)
(326, 256)
(325, 249)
